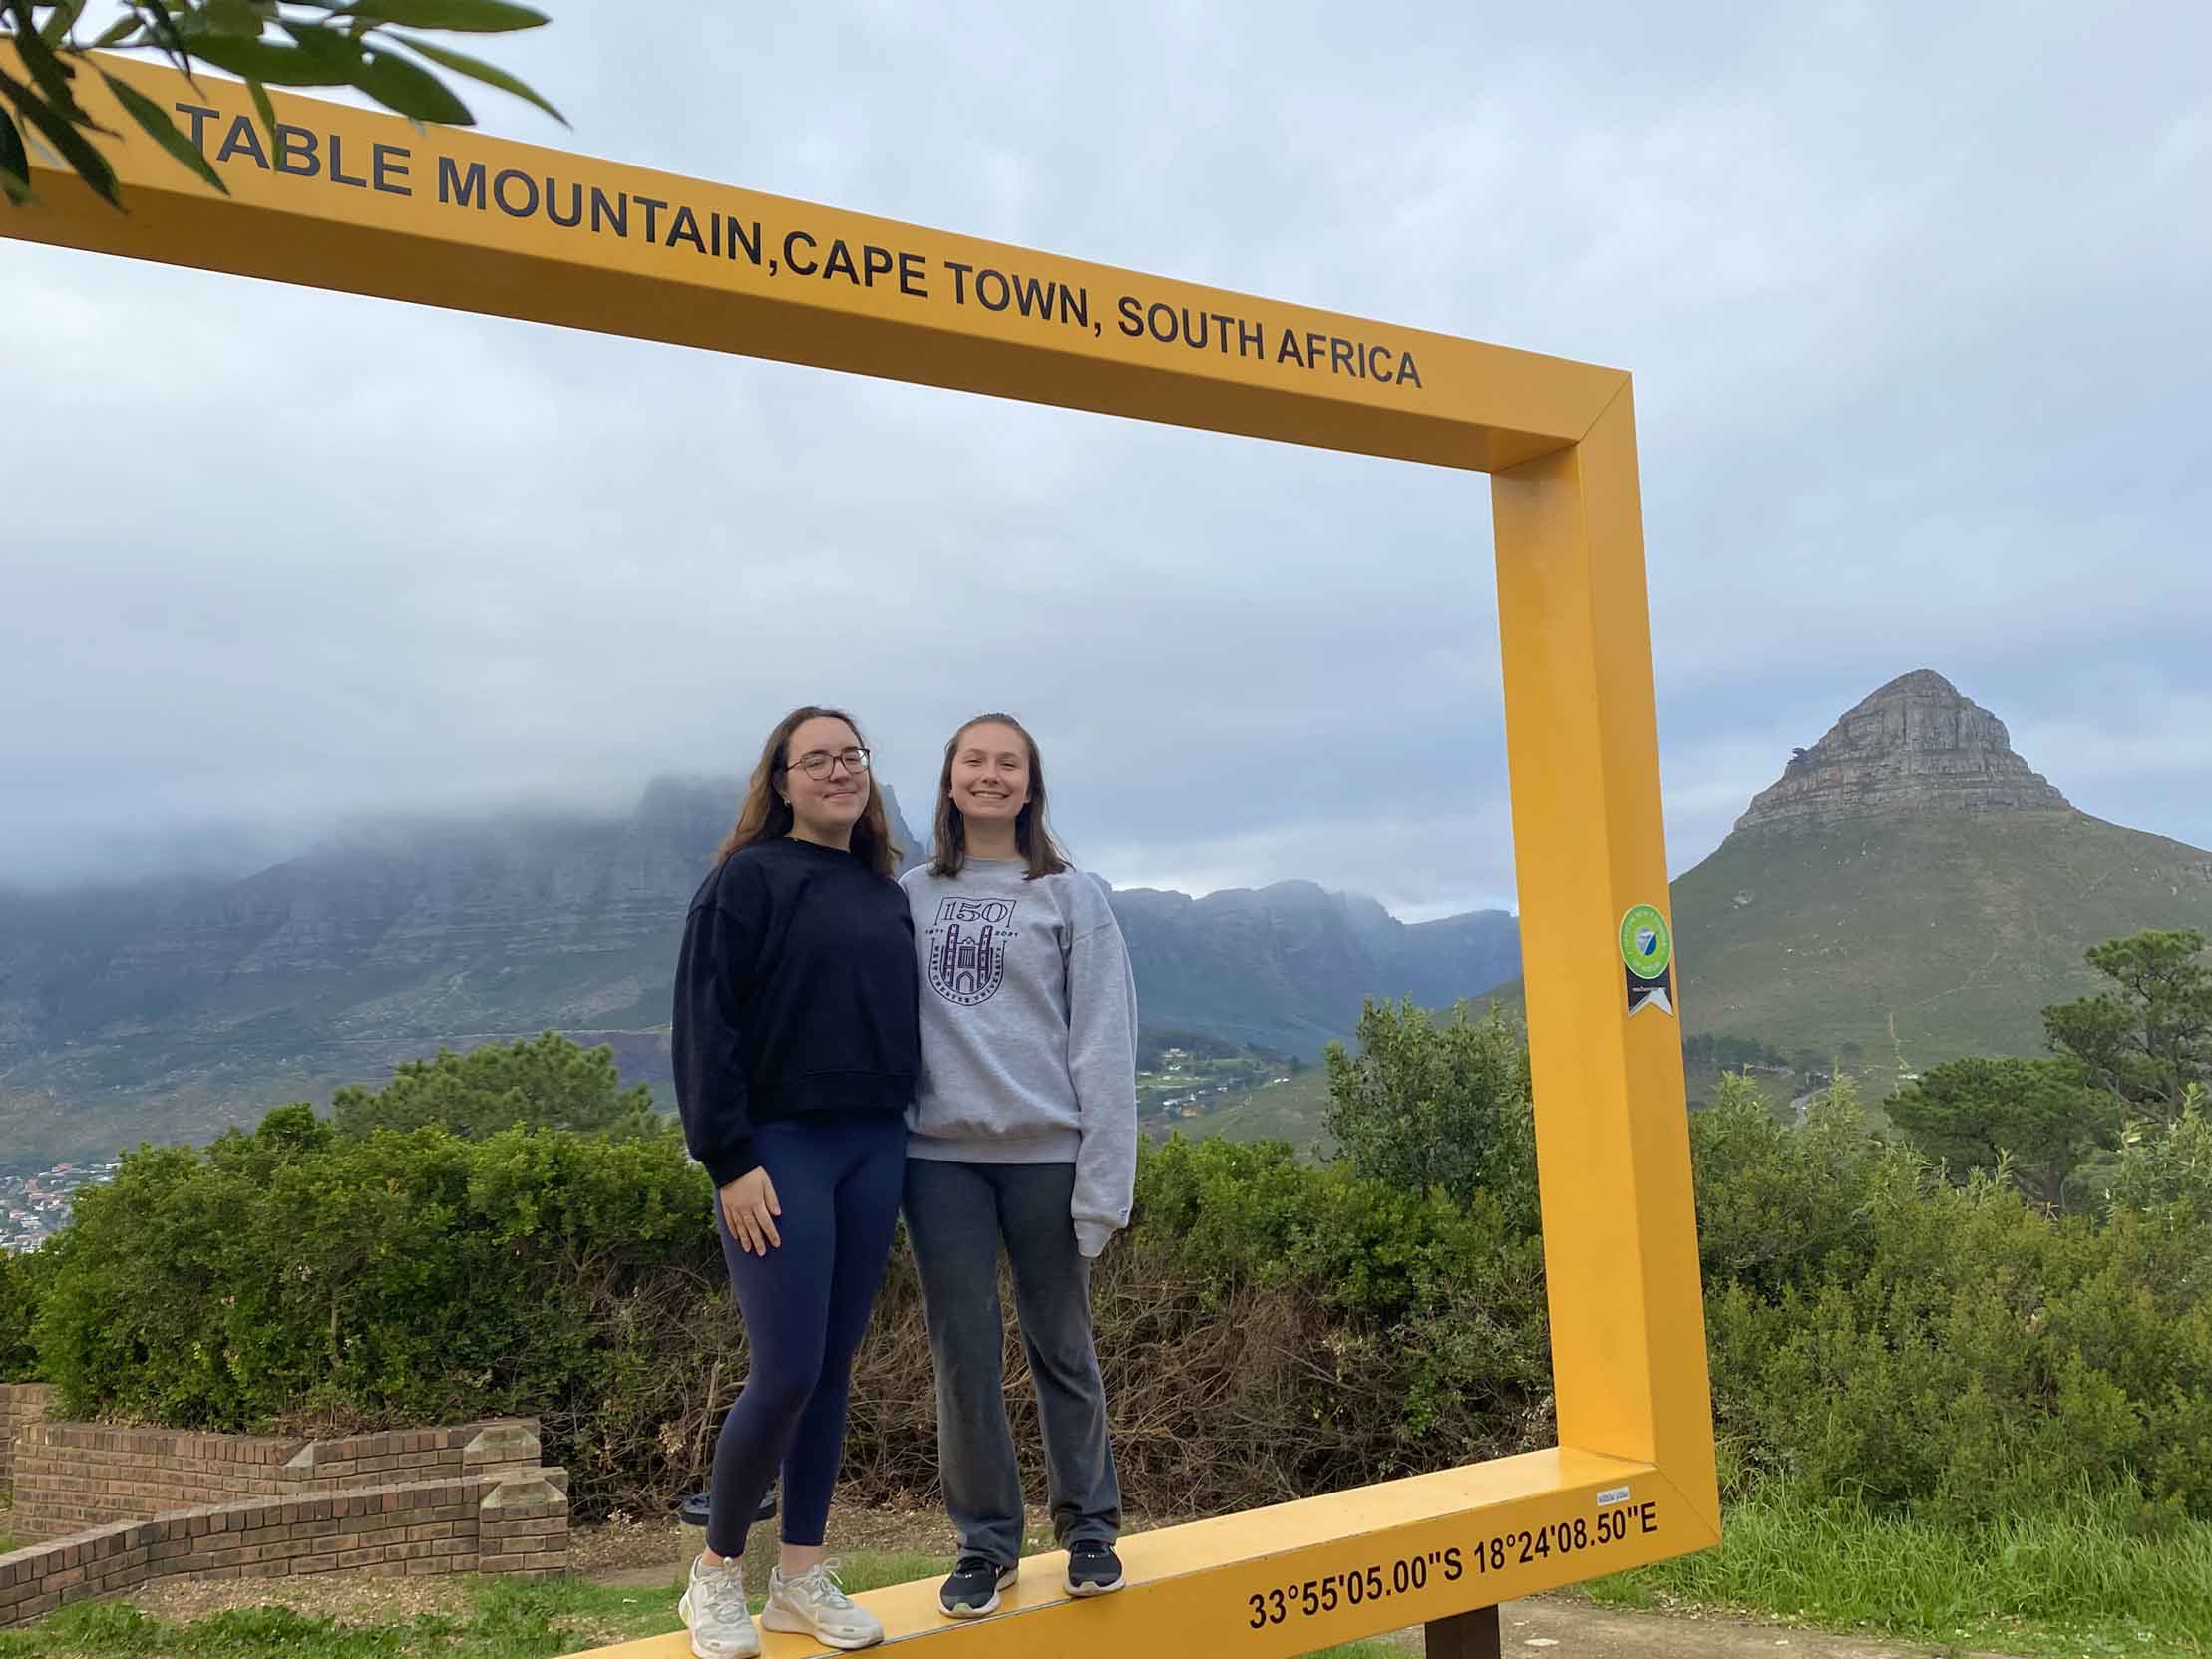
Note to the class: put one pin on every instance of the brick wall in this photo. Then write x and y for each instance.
(73, 1475)
(21, 1405)
(507, 1521)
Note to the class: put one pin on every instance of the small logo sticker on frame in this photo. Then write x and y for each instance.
(1647, 956)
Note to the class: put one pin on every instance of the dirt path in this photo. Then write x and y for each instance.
(1568, 1629)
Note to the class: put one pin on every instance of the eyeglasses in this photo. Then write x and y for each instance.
(816, 763)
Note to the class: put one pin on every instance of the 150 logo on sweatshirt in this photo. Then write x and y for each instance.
(967, 948)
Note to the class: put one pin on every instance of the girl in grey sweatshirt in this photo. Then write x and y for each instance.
(1022, 1137)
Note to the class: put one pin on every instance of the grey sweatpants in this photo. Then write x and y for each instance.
(958, 1216)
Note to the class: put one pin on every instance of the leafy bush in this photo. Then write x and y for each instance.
(292, 1276)
(2165, 1169)
(19, 1301)
(1268, 1328)
(1777, 1205)
(1439, 1309)
(1879, 1334)
(543, 1082)
(2036, 1119)
(1425, 1104)
(1981, 1359)
(1906, 1342)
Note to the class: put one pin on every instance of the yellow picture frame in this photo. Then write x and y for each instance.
(367, 203)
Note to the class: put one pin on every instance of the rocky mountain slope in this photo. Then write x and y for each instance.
(1285, 967)
(172, 1011)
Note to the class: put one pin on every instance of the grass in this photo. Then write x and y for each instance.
(505, 1620)
(2083, 1579)
(1957, 927)
(1294, 1111)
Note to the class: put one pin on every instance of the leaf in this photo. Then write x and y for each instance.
(163, 131)
(480, 17)
(15, 162)
(263, 108)
(267, 60)
(50, 74)
(411, 90)
(89, 163)
(64, 19)
(231, 17)
(165, 31)
(127, 24)
(477, 68)
(333, 49)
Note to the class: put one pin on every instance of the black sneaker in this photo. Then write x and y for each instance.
(973, 1590)
(1092, 1568)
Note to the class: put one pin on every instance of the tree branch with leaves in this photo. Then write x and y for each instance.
(2150, 1041)
(265, 43)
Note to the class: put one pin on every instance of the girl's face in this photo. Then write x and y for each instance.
(829, 804)
(991, 773)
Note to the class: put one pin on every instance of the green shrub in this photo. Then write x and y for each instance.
(1428, 1104)
(1267, 1329)
(1776, 1204)
(542, 1081)
(1978, 1358)
(1442, 1307)
(290, 1277)
(2034, 1119)
(19, 1301)
(2164, 1169)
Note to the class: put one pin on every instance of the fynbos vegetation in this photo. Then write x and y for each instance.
(1943, 1340)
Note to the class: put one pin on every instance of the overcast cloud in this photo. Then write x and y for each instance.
(1914, 299)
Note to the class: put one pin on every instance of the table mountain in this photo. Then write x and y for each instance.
(1910, 889)
(170, 1011)
(1285, 967)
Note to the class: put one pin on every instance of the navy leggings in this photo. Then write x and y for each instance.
(806, 1304)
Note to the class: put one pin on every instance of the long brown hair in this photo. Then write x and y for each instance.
(767, 816)
(1032, 834)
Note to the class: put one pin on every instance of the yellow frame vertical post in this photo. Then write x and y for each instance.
(1611, 1124)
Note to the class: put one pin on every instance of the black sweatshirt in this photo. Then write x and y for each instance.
(796, 993)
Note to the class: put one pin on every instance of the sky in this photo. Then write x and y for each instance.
(1913, 298)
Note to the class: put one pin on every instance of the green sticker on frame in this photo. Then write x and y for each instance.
(1646, 944)
(1648, 953)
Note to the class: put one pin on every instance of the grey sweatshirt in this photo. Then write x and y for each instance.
(1029, 1030)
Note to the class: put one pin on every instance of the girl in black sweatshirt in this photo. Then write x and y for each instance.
(796, 1046)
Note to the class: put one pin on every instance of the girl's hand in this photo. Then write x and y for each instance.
(748, 1202)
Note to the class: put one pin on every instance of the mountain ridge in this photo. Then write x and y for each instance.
(176, 1011)
(1907, 891)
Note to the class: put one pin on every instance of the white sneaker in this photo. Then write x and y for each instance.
(816, 1604)
(713, 1610)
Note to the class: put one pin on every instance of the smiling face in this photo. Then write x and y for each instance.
(824, 809)
(988, 778)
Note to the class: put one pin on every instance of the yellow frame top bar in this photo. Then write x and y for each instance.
(350, 200)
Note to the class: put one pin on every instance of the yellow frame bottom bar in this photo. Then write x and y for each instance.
(1293, 1577)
